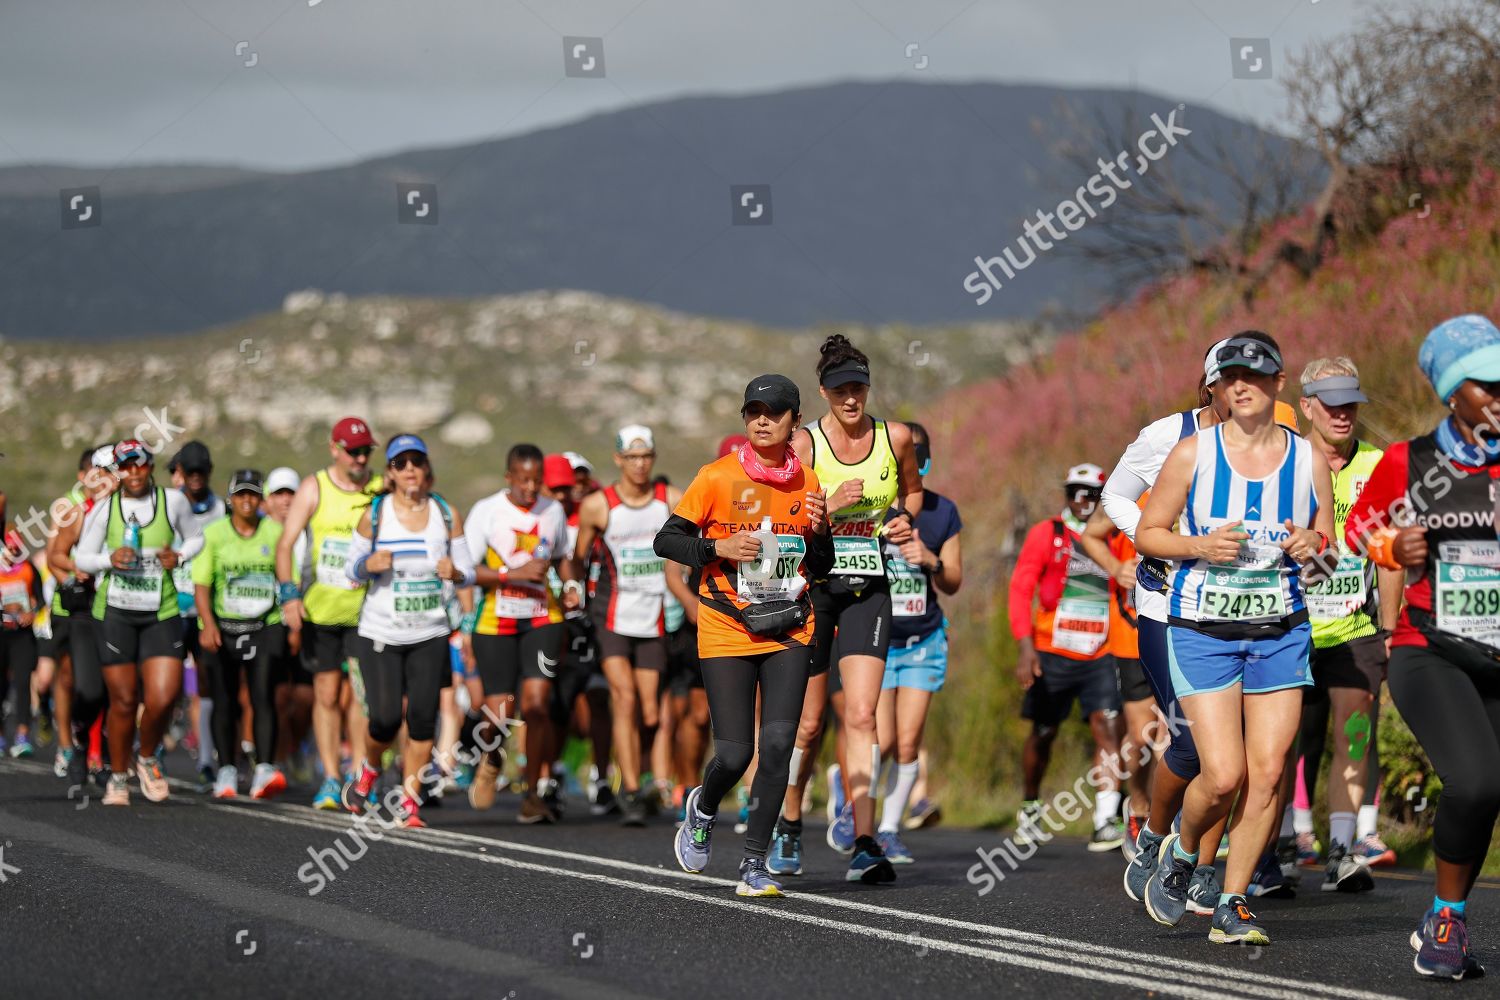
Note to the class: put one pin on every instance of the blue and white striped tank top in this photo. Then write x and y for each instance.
(1262, 585)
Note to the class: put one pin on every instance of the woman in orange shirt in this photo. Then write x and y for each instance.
(755, 620)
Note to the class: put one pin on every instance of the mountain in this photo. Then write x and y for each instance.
(881, 196)
(560, 369)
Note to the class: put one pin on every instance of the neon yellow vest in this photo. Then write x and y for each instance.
(156, 534)
(331, 598)
(1354, 579)
(856, 545)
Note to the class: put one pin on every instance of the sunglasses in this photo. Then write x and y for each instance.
(406, 458)
(1081, 493)
(1249, 354)
(363, 451)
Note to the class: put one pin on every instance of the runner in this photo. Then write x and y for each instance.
(234, 583)
(517, 635)
(20, 599)
(627, 606)
(1238, 638)
(875, 466)
(57, 642)
(409, 549)
(1349, 655)
(195, 467)
(1428, 510)
(324, 620)
(755, 624)
(128, 543)
(1064, 643)
(929, 562)
(294, 685)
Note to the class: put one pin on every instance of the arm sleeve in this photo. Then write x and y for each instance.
(1121, 492)
(90, 555)
(680, 541)
(180, 513)
(360, 548)
(463, 559)
(1025, 577)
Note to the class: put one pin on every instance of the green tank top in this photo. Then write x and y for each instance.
(75, 495)
(331, 597)
(1339, 608)
(148, 587)
(240, 571)
(856, 545)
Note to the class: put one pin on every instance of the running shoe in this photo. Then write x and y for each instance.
(329, 793)
(742, 822)
(22, 747)
(869, 864)
(1233, 923)
(153, 782)
(410, 814)
(1140, 870)
(551, 795)
(1442, 944)
(1308, 850)
(463, 777)
(227, 784)
(1133, 827)
(117, 791)
(1268, 880)
(1346, 872)
(3, 743)
(362, 794)
(206, 778)
(1166, 892)
(756, 880)
(62, 762)
(534, 809)
(890, 843)
(604, 800)
(694, 842)
(482, 791)
(835, 792)
(632, 809)
(923, 814)
(785, 857)
(78, 769)
(267, 782)
(1372, 851)
(1027, 818)
(1286, 857)
(1203, 891)
(841, 831)
(1107, 837)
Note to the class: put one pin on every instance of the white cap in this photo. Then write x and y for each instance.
(634, 437)
(103, 457)
(1210, 360)
(1086, 474)
(282, 478)
(577, 461)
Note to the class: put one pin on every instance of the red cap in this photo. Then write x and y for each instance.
(731, 442)
(557, 472)
(352, 432)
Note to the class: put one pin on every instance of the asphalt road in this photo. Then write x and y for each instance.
(196, 898)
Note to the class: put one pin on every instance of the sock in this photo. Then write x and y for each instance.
(1225, 898)
(894, 807)
(1438, 902)
(1302, 820)
(865, 843)
(788, 825)
(1341, 828)
(1180, 855)
(1106, 805)
(1365, 826)
(1288, 825)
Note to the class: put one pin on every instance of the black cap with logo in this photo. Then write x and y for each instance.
(246, 479)
(777, 392)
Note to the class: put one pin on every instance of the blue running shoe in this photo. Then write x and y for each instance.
(894, 850)
(742, 823)
(869, 864)
(463, 777)
(329, 795)
(1268, 880)
(1166, 892)
(841, 831)
(695, 840)
(1233, 923)
(1143, 866)
(756, 880)
(1442, 944)
(1203, 891)
(835, 792)
(785, 857)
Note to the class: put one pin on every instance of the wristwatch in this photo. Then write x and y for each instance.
(937, 570)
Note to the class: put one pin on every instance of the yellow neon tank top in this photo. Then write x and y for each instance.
(855, 542)
(331, 598)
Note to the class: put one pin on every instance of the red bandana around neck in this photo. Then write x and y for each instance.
(757, 470)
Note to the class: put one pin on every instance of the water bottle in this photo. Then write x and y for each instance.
(763, 570)
(543, 550)
(133, 539)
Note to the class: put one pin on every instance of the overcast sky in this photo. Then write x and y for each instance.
(132, 82)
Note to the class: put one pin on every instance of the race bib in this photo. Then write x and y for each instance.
(520, 600)
(1081, 624)
(1466, 590)
(249, 595)
(417, 600)
(137, 589)
(856, 555)
(1242, 594)
(642, 571)
(1342, 594)
(333, 554)
(786, 582)
(908, 587)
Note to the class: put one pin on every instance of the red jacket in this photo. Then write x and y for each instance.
(1040, 575)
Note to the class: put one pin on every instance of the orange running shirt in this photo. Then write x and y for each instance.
(1124, 640)
(721, 500)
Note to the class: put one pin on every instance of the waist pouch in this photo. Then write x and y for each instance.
(770, 618)
(1469, 655)
(1152, 574)
(75, 597)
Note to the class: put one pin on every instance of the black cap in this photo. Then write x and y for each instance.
(246, 479)
(778, 392)
(850, 370)
(193, 458)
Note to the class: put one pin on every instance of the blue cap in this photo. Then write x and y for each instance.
(404, 442)
(1465, 347)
